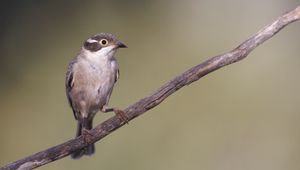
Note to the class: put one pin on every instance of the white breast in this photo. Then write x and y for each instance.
(101, 70)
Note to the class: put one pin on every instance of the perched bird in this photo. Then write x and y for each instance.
(90, 80)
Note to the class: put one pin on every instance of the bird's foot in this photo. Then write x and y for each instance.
(121, 114)
(87, 135)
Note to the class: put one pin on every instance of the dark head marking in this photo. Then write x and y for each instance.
(92, 46)
(98, 41)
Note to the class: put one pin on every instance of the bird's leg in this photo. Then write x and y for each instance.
(118, 112)
(86, 133)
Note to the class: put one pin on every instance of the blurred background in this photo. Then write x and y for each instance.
(244, 116)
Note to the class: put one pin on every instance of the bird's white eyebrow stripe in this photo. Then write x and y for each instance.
(91, 40)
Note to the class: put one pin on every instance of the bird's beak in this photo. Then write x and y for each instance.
(120, 45)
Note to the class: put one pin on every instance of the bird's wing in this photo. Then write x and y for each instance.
(69, 84)
(117, 75)
(116, 69)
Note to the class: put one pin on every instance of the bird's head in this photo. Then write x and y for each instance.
(103, 44)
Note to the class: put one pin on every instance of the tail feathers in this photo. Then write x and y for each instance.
(90, 149)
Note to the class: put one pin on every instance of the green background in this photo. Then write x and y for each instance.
(244, 116)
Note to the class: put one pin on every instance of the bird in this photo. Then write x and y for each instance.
(90, 79)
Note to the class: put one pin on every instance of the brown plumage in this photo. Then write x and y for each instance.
(90, 80)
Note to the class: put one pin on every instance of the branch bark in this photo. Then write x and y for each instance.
(147, 103)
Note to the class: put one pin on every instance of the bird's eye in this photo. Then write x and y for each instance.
(103, 42)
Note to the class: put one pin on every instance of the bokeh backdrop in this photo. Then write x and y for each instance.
(244, 116)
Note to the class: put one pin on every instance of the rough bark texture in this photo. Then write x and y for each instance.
(140, 107)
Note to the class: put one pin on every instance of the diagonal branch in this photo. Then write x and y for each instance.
(147, 103)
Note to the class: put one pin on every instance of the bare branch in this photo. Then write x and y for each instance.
(140, 107)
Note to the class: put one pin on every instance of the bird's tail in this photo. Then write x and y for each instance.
(90, 149)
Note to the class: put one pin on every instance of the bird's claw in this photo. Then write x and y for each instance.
(87, 135)
(121, 114)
